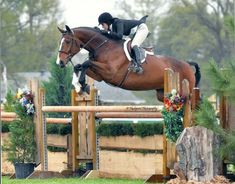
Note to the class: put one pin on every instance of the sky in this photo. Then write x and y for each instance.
(85, 12)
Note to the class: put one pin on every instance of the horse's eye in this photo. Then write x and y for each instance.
(67, 41)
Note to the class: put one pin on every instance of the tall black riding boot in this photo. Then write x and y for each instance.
(137, 61)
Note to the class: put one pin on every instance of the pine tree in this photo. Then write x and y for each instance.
(58, 93)
(58, 88)
(223, 84)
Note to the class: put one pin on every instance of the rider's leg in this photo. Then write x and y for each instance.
(140, 36)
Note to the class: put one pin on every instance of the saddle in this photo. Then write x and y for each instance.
(144, 51)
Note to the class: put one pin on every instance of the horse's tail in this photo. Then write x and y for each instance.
(197, 73)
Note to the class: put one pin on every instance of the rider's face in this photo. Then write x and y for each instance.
(105, 26)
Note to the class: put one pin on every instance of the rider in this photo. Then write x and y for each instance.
(116, 28)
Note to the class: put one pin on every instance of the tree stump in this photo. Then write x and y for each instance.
(197, 148)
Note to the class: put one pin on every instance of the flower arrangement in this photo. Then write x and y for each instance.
(26, 100)
(173, 112)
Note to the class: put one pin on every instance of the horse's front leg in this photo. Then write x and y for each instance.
(82, 79)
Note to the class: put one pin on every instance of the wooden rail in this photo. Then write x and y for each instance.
(101, 109)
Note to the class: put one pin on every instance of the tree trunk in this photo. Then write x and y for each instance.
(197, 148)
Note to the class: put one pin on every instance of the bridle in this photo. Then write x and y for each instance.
(69, 52)
(82, 46)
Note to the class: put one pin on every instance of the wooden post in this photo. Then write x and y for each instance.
(75, 145)
(223, 112)
(43, 133)
(34, 87)
(69, 152)
(92, 129)
(167, 88)
(195, 100)
(187, 110)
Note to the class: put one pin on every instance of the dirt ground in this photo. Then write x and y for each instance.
(57, 162)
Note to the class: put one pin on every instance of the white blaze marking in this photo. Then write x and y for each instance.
(58, 57)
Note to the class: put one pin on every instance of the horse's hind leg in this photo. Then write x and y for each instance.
(160, 94)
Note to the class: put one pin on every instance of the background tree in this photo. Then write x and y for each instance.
(58, 93)
(140, 8)
(59, 86)
(28, 33)
(196, 30)
(187, 29)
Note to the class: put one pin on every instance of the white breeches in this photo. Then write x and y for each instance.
(140, 36)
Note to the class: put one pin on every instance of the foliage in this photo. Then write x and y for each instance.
(173, 112)
(198, 29)
(58, 90)
(138, 129)
(56, 149)
(222, 80)
(5, 127)
(59, 129)
(21, 146)
(28, 33)
(223, 84)
(187, 29)
(58, 87)
(9, 104)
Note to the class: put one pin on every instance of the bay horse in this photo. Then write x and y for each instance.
(109, 63)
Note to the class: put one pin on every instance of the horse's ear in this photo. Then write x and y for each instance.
(61, 30)
(68, 29)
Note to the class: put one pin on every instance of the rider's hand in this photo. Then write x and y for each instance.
(103, 32)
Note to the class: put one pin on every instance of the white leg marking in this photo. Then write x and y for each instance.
(75, 82)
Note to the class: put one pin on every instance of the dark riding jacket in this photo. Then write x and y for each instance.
(122, 27)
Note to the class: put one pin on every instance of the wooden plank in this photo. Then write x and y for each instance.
(129, 115)
(57, 140)
(129, 164)
(82, 132)
(132, 142)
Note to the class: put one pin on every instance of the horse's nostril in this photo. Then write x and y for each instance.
(62, 64)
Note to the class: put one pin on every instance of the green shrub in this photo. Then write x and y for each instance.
(5, 127)
(139, 129)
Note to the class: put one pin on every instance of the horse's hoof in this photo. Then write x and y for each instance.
(87, 89)
(80, 92)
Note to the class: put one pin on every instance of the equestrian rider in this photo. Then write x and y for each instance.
(116, 28)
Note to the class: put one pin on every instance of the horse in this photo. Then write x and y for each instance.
(109, 63)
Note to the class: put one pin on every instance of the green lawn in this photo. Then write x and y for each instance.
(6, 180)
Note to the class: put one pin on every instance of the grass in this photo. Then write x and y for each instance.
(6, 180)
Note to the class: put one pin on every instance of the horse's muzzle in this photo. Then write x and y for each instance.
(62, 65)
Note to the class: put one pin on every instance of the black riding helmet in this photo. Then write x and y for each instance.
(105, 18)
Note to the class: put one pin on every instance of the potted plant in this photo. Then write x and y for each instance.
(21, 145)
